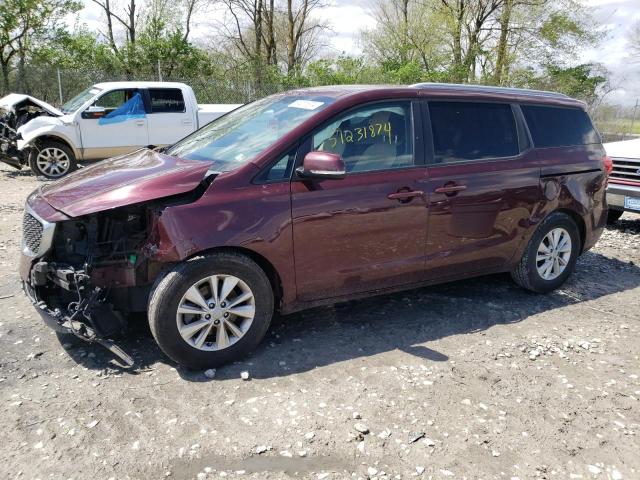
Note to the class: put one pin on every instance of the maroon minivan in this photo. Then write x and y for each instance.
(310, 197)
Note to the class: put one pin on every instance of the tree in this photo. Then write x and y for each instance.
(272, 38)
(634, 41)
(21, 23)
(301, 38)
(406, 32)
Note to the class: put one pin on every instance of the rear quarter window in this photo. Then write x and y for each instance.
(166, 100)
(552, 126)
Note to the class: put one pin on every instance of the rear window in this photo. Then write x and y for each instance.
(166, 100)
(472, 131)
(559, 126)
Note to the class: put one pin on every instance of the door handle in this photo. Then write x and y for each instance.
(186, 122)
(140, 123)
(405, 195)
(450, 188)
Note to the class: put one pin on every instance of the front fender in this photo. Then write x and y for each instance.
(64, 133)
(232, 215)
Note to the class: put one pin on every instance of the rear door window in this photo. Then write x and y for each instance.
(464, 131)
(166, 100)
(559, 126)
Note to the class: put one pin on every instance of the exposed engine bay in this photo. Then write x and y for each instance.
(99, 268)
(12, 117)
(96, 272)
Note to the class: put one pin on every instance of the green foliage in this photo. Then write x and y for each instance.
(520, 43)
(581, 81)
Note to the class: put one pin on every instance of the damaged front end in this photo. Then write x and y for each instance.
(91, 241)
(88, 274)
(17, 110)
(9, 137)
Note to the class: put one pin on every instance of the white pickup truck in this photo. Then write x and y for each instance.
(623, 189)
(105, 120)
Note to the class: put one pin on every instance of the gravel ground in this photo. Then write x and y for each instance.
(475, 379)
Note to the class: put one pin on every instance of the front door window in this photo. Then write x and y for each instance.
(376, 137)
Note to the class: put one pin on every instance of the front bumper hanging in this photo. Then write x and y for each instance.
(90, 318)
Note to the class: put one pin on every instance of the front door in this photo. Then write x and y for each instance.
(484, 184)
(121, 129)
(367, 231)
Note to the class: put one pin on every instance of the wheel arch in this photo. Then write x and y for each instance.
(261, 260)
(55, 138)
(578, 220)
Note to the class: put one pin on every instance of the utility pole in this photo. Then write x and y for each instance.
(159, 72)
(59, 86)
(633, 119)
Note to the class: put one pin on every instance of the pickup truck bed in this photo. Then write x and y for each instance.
(210, 111)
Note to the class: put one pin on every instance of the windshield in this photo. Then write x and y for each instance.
(77, 101)
(239, 136)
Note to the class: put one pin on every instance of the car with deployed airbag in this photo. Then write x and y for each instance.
(312, 197)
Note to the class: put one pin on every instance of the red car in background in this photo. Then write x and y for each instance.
(311, 197)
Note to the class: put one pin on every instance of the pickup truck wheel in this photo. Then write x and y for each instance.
(550, 256)
(211, 310)
(613, 216)
(52, 159)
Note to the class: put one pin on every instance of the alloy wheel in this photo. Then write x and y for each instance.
(554, 253)
(53, 162)
(215, 312)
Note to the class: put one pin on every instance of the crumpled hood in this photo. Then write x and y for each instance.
(134, 178)
(12, 100)
(39, 122)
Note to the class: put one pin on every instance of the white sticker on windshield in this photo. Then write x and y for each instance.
(305, 104)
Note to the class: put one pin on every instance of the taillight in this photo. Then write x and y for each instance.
(608, 164)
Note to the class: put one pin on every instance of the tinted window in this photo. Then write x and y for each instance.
(559, 126)
(471, 131)
(375, 137)
(166, 100)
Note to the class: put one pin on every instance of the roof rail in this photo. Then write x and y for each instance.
(489, 89)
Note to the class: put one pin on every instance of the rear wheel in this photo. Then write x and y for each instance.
(550, 256)
(614, 215)
(211, 310)
(52, 159)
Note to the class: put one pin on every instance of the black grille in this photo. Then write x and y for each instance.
(626, 169)
(31, 232)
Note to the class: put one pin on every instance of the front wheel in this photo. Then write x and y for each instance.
(550, 256)
(51, 159)
(211, 310)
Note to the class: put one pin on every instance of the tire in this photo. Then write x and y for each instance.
(52, 160)
(171, 291)
(527, 273)
(613, 216)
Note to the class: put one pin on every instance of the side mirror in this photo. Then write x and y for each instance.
(94, 112)
(322, 165)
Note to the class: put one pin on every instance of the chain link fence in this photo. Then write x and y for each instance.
(56, 86)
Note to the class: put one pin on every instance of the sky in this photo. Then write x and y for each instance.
(348, 17)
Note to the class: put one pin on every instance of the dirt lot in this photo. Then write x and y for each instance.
(476, 379)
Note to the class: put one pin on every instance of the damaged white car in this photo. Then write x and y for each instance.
(105, 120)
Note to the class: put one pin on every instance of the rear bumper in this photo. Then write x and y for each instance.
(616, 193)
